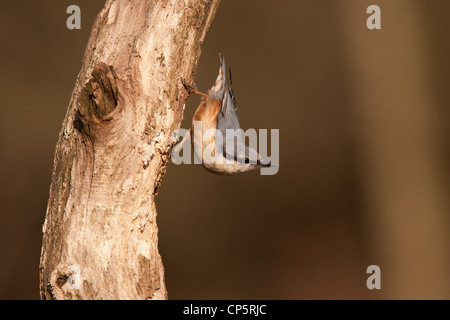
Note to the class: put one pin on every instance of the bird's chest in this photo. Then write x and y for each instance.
(204, 123)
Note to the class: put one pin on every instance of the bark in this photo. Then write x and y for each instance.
(113, 150)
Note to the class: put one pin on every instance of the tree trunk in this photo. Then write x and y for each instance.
(100, 236)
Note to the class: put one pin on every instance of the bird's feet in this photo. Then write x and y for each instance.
(192, 88)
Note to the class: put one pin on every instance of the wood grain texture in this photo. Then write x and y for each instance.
(113, 150)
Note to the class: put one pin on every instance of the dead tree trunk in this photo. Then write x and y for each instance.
(100, 234)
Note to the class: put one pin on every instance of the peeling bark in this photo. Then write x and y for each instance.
(113, 150)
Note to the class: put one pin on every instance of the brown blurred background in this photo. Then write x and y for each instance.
(364, 151)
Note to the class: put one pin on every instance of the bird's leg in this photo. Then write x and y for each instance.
(192, 88)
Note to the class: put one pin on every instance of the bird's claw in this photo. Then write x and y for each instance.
(190, 88)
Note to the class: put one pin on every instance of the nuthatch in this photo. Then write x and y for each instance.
(221, 144)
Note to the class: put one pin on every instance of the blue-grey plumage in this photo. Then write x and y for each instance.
(218, 110)
(228, 120)
(228, 124)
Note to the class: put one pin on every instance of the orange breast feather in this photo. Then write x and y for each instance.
(207, 112)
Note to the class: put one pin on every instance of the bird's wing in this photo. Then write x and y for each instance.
(233, 142)
(228, 120)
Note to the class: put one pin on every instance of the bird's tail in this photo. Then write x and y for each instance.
(219, 85)
(221, 81)
(223, 90)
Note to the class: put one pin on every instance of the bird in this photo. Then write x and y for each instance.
(221, 142)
